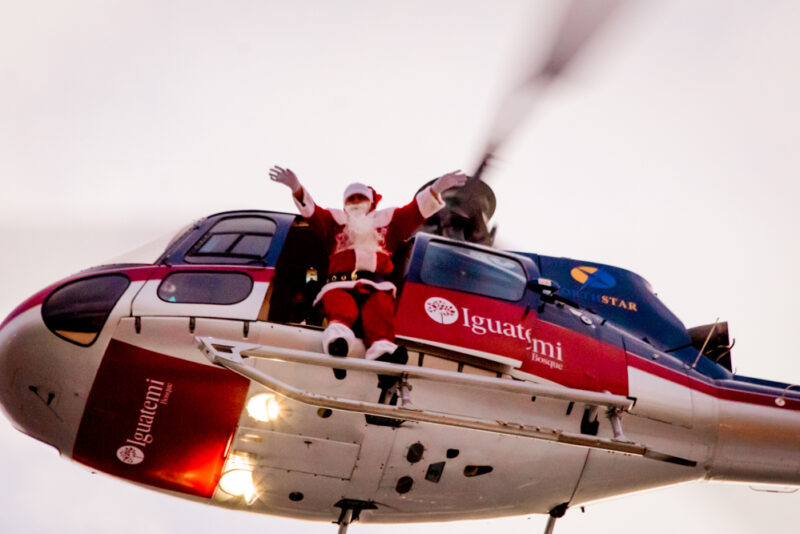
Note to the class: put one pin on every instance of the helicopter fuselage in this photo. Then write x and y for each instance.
(105, 367)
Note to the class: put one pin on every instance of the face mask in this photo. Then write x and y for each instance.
(358, 209)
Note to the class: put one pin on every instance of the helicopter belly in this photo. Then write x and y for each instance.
(414, 473)
(470, 475)
(307, 459)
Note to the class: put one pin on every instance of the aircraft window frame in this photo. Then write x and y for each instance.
(501, 263)
(250, 241)
(240, 295)
(217, 244)
(226, 227)
(74, 311)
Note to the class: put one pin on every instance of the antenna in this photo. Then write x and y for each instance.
(703, 348)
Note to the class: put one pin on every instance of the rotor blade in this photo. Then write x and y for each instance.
(581, 22)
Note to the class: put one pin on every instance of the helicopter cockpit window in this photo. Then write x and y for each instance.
(235, 240)
(78, 310)
(205, 288)
(473, 271)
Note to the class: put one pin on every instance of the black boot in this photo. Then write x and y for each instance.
(338, 348)
(400, 357)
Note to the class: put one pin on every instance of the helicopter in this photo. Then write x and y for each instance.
(202, 375)
(582, 268)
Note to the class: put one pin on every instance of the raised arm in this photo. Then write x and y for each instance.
(407, 219)
(320, 219)
(448, 181)
(289, 179)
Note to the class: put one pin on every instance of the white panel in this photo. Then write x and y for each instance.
(147, 302)
(298, 453)
(660, 399)
(173, 336)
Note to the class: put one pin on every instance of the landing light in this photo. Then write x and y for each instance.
(237, 478)
(263, 407)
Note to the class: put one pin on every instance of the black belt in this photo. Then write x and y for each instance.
(355, 275)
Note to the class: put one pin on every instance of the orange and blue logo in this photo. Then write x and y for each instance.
(593, 277)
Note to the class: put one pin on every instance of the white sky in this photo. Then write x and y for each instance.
(669, 150)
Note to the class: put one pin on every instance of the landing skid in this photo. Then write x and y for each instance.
(232, 355)
(351, 511)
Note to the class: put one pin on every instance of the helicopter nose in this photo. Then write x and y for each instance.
(28, 393)
(44, 380)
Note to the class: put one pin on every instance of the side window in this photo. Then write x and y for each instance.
(235, 240)
(205, 288)
(473, 271)
(78, 310)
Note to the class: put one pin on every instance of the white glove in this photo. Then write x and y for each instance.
(451, 179)
(285, 177)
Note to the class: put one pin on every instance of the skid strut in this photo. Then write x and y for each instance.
(555, 513)
(345, 519)
(351, 511)
(615, 416)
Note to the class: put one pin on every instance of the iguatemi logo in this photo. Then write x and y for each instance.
(130, 454)
(441, 310)
(544, 352)
(156, 395)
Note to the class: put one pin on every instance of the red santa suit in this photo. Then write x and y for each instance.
(360, 250)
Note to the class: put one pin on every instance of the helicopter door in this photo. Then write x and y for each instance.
(475, 301)
(465, 299)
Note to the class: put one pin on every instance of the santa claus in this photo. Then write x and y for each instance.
(359, 241)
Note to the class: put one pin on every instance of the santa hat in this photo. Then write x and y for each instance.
(361, 189)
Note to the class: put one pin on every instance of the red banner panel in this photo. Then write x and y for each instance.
(160, 420)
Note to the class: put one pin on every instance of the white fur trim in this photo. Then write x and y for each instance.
(380, 218)
(366, 260)
(350, 284)
(383, 217)
(336, 330)
(428, 203)
(339, 216)
(380, 347)
(306, 208)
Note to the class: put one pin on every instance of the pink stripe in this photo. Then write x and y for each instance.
(137, 274)
(134, 273)
(720, 392)
(258, 274)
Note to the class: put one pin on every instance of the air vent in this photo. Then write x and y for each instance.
(477, 470)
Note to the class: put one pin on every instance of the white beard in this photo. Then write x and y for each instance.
(361, 233)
